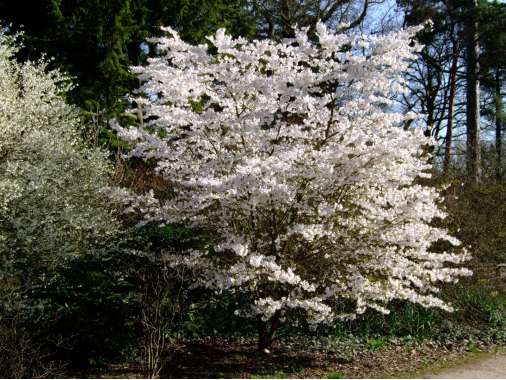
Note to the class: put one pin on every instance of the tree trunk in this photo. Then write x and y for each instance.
(266, 331)
(472, 94)
(498, 124)
(451, 106)
(286, 19)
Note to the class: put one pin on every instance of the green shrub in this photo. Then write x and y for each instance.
(375, 344)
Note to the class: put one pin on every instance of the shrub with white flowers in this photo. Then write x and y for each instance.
(289, 158)
(51, 202)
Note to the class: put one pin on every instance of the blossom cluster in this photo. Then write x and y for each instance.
(52, 206)
(289, 158)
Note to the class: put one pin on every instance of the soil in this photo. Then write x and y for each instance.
(215, 359)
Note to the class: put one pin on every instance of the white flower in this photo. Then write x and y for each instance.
(290, 155)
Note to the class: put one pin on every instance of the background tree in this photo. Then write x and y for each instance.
(437, 80)
(472, 54)
(444, 86)
(493, 68)
(96, 41)
(278, 18)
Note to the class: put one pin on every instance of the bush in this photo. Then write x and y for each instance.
(87, 314)
(55, 223)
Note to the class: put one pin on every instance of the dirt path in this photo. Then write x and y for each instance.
(491, 366)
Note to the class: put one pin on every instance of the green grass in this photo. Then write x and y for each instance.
(275, 375)
(336, 375)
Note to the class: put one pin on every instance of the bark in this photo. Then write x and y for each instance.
(287, 19)
(431, 98)
(266, 331)
(472, 94)
(498, 125)
(451, 107)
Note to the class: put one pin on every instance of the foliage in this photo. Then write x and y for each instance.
(54, 216)
(336, 375)
(51, 200)
(87, 312)
(294, 170)
(96, 41)
(196, 19)
(375, 343)
(275, 375)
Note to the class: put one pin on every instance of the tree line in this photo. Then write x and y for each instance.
(459, 80)
(82, 282)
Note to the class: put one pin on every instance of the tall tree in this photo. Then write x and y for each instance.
(441, 86)
(452, 83)
(435, 80)
(493, 68)
(472, 47)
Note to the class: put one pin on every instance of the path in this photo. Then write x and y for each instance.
(489, 367)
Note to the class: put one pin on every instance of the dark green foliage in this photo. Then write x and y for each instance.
(97, 296)
(83, 312)
(196, 19)
(86, 312)
(155, 238)
(87, 38)
(376, 343)
(97, 41)
(213, 315)
(493, 36)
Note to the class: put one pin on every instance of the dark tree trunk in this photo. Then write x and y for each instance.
(472, 94)
(266, 331)
(498, 124)
(286, 19)
(451, 106)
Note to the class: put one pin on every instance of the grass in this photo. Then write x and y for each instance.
(275, 375)
(336, 375)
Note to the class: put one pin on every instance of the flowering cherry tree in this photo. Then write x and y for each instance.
(289, 158)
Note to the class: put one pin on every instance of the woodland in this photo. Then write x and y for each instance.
(251, 188)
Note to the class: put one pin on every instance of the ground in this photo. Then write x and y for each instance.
(224, 359)
(487, 366)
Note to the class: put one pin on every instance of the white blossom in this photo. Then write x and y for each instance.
(52, 203)
(290, 155)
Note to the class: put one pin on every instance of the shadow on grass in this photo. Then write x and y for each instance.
(229, 360)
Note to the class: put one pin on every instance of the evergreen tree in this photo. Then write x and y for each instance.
(96, 41)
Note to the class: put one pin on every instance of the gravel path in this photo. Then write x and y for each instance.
(489, 367)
